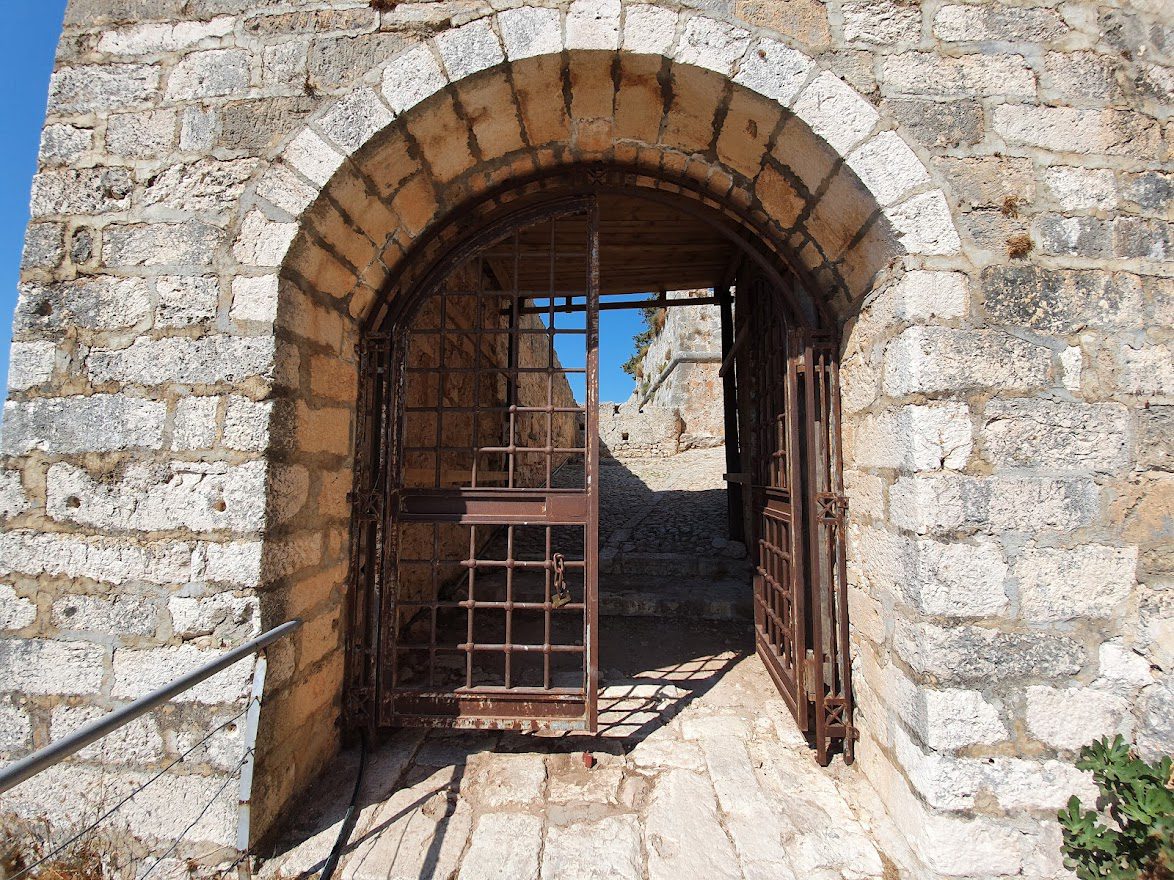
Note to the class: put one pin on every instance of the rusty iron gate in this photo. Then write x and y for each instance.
(795, 510)
(474, 595)
(476, 525)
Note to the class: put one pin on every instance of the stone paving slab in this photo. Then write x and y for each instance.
(703, 787)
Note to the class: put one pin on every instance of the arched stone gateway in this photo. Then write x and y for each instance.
(177, 470)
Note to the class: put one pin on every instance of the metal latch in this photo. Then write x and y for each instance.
(561, 595)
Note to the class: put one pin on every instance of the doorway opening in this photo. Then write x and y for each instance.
(476, 570)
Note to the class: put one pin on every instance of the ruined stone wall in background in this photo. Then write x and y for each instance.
(680, 371)
(992, 179)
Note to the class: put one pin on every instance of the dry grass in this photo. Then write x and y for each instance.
(1019, 246)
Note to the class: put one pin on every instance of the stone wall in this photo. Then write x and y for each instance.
(630, 431)
(978, 192)
(680, 371)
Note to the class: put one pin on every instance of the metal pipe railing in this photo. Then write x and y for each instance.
(18, 772)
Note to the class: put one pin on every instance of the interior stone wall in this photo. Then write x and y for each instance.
(980, 191)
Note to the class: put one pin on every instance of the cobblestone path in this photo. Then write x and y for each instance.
(698, 770)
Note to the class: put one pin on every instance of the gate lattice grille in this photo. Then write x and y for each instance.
(790, 410)
(488, 613)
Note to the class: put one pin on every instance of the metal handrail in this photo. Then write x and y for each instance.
(18, 772)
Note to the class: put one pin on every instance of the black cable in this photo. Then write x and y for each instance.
(352, 814)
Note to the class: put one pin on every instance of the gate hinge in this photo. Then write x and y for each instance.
(811, 675)
(831, 506)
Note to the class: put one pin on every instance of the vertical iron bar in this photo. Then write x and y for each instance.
(591, 548)
(734, 511)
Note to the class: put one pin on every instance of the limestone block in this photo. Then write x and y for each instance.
(64, 144)
(649, 30)
(80, 191)
(209, 74)
(683, 832)
(1056, 435)
(977, 656)
(1068, 718)
(246, 424)
(185, 495)
(263, 242)
(254, 298)
(156, 37)
(13, 497)
(141, 135)
(881, 24)
(1090, 581)
(924, 224)
(40, 666)
(1081, 189)
(774, 70)
(16, 612)
(186, 300)
(927, 359)
(951, 783)
(228, 619)
(107, 560)
(16, 730)
(285, 189)
(922, 73)
(160, 244)
(981, 23)
(601, 849)
(503, 845)
(496, 781)
(99, 302)
(100, 423)
(712, 44)
(914, 438)
(1062, 301)
(1147, 371)
(138, 742)
(118, 615)
(412, 77)
(1120, 666)
(866, 494)
(950, 719)
(350, 122)
(888, 167)
(284, 62)
(1071, 129)
(93, 87)
(1155, 734)
(208, 186)
(313, 157)
(835, 112)
(140, 671)
(197, 129)
(528, 31)
(171, 807)
(471, 48)
(30, 364)
(195, 423)
(950, 123)
(204, 361)
(1072, 364)
(234, 562)
(44, 247)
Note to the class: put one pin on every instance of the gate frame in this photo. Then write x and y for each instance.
(435, 254)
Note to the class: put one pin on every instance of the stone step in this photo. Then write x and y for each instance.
(693, 598)
(673, 565)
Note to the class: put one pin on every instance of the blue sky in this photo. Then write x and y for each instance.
(27, 43)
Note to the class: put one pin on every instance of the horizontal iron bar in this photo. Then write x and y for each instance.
(74, 742)
(613, 306)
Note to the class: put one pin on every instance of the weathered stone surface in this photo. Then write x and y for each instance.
(599, 850)
(30, 364)
(939, 123)
(16, 612)
(504, 845)
(39, 666)
(176, 244)
(1056, 436)
(101, 423)
(979, 656)
(88, 191)
(186, 300)
(108, 560)
(683, 835)
(100, 302)
(1068, 718)
(200, 497)
(137, 672)
(1090, 581)
(120, 615)
(937, 359)
(228, 619)
(915, 438)
(505, 780)
(209, 74)
(108, 86)
(206, 361)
